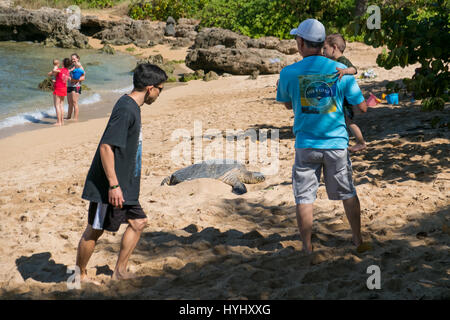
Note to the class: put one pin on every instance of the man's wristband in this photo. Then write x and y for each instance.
(114, 187)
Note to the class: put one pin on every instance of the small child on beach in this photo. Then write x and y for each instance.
(54, 71)
(76, 72)
(333, 48)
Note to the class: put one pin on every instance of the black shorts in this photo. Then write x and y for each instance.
(74, 89)
(348, 109)
(103, 216)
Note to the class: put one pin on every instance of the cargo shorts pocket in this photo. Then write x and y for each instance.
(343, 183)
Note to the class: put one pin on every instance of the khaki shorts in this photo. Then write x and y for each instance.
(337, 172)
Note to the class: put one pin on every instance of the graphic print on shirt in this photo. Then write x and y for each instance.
(137, 168)
(318, 93)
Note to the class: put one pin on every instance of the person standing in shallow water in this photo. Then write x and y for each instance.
(113, 181)
(74, 88)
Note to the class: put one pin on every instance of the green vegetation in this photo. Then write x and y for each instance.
(162, 9)
(254, 18)
(186, 77)
(416, 32)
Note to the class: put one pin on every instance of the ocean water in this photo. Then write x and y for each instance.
(24, 65)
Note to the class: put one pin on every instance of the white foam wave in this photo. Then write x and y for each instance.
(123, 90)
(90, 100)
(43, 116)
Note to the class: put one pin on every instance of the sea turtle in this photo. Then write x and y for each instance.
(229, 171)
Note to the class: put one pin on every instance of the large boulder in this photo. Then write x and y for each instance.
(210, 37)
(222, 50)
(129, 31)
(242, 61)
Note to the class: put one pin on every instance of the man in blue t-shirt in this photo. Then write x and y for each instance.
(312, 89)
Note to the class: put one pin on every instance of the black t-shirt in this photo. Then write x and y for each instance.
(123, 132)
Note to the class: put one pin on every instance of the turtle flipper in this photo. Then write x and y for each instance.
(239, 188)
(232, 178)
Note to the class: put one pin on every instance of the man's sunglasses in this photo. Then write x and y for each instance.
(160, 88)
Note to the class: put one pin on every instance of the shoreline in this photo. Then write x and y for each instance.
(101, 108)
(96, 110)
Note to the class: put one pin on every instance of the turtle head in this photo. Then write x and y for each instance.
(166, 180)
(259, 177)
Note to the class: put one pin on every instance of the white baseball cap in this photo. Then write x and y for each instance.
(311, 30)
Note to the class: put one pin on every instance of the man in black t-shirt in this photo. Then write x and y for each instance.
(113, 181)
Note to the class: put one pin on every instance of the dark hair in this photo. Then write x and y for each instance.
(148, 75)
(76, 55)
(312, 44)
(67, 62)
(336, 39)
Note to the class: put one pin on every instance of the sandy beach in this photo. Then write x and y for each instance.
(203, 241)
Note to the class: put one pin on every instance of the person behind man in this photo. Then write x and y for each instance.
(113, 181)
(312, 89)
(334, 49)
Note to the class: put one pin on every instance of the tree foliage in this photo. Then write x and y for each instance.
(416, 32)
(254, 18)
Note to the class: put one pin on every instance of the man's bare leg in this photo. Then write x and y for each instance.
(85, 249)
(304, 221)
(353, 212)
(129, 241)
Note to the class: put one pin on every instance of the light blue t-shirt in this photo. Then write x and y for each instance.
(317, 97)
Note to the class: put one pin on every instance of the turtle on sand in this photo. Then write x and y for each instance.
(229, 171)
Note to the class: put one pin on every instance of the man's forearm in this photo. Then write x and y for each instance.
(107, 157)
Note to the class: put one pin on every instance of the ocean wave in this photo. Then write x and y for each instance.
(90, 100)
(43, 116)
(123, 90)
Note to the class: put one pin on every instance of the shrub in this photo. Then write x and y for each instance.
(254, 18)
(417, 32)
(162, 9)
(96, 3)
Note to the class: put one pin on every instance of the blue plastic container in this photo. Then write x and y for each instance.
(392, 98)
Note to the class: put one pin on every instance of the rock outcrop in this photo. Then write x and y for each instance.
(51, 27)
(222, 50)
(44, 25)
(128, 31)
